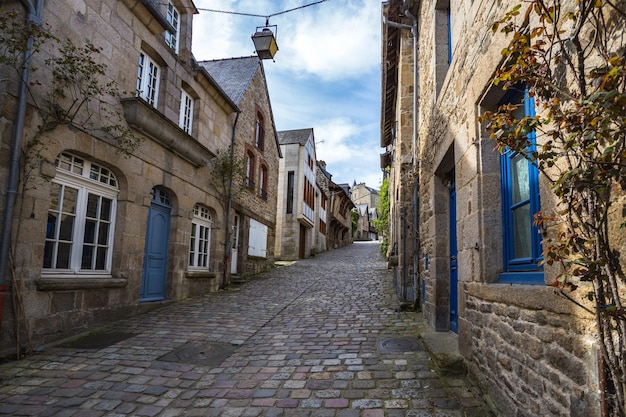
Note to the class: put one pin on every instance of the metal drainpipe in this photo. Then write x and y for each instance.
(33, 16)
(229, 202)
(414, 31)
(416, 185)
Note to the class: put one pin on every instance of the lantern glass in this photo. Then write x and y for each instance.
(265, 44)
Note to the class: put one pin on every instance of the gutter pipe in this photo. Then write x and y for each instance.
(229, 202)
(33, 16)
(416, 264)
(416, 183)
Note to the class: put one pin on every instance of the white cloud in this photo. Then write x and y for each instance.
(338, 40)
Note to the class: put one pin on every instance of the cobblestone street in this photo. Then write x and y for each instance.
(321, 337)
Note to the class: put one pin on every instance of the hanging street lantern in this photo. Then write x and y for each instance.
(265, 42)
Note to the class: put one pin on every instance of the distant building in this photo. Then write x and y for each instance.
(297, 194)
(362, 194)
(340, 229)
(365, 199)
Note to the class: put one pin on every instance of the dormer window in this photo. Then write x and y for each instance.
(172, 38)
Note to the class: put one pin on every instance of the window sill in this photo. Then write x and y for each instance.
(200, 274)
(70, 283)
(522, 277)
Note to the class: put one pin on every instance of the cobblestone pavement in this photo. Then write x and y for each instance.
(300, 340)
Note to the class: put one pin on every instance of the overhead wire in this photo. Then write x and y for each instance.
(267, 17)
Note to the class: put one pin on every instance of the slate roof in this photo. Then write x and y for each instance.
(233, 74)
(300, 136)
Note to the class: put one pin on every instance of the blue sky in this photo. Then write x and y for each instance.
(326, 74)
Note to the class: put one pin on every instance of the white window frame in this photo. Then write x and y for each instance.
(200, 238)
(173, 17)
(257, 239)
(148, 79)
(86, 178)
(185, 119)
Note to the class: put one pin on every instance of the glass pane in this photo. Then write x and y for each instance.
(103, 234)
(522, 244)
(47, 254)
(67, 227)
(55, 192)
(87, 257)
(519, 179)
(63, 255)
(105, 209)
(51, 226)
(90, 231)
(92, 206)
(101, 257)
(69, 200)
(93, 172)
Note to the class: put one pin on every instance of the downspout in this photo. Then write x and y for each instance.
(416, 265)
(229, 202)
(416, 177)
(33, 16)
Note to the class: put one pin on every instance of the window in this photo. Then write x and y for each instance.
(172, 38)
(290, 188)
(257, 242)
(185, 119)
(322, 227)
(263, 182)
(81, 217)
(148, 74)
(249, 170)
(309, 193)
(200, 243)
(259, 131)
(520, 202)
(443, 41)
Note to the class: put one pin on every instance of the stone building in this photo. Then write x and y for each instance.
(256, 142)
(98, 235)
(362, 194)
(297, 195)
(340, 224)
(534, 352)
(323, 180)
(365, 199)
(398, 159)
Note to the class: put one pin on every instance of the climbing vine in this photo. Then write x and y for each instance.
(381, 223)
(572, 61)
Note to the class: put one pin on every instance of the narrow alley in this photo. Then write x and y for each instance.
(321, 337)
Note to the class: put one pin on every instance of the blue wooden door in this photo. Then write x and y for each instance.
(454, 273)
(155, 257)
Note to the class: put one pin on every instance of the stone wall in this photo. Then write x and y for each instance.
(533, 350)
(249, 201)
(287, 242)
